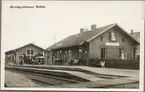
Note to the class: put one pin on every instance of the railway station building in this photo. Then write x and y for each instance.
(107, 42)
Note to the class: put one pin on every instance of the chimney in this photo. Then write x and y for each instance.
(132, 31)
(93, 27)
(82, 30)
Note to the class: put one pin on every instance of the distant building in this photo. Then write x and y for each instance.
(107, 42)
(25, 54)
(136, 35)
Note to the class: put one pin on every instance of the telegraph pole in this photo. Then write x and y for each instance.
(54, 38)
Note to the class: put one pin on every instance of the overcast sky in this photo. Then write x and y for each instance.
(61, 18)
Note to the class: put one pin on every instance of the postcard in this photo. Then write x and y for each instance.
(72, 45)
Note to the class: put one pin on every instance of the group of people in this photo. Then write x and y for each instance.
(77, 61)
(73, 62)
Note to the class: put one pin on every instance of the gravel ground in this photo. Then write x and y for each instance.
(13, 79)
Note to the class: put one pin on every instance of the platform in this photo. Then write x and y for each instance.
(108, 77)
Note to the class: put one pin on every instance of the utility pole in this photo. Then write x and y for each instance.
(54, 38)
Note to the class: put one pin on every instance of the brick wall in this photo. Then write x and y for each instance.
(95, 45)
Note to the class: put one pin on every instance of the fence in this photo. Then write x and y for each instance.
(113, 63)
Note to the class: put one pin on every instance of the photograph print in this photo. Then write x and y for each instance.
(72, 45)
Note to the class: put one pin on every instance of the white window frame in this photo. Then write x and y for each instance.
(122, 55)
(113, 35)
(30, 55)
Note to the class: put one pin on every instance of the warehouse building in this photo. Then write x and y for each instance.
(25, 55)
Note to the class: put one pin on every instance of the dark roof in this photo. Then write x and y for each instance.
(87, 36)
(136, 35)
(12, 51)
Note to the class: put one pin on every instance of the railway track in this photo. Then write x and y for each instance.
(60, 77)
(47, 78)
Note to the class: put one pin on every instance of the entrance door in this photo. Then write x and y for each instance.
(21, 59)
(103, 53)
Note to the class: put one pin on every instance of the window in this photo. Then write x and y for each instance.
(121, 53)
(60, 51)
(69, 51)
(66, 52)
(134, 52)
(101, 38)
(70, 54)
(30, 53)
(112, 36)
(103, 53)
(122, 39)
(57, 52)
(80, 50)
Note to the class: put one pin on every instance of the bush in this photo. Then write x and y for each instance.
(95, 62)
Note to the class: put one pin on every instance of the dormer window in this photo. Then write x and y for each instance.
(112, 36)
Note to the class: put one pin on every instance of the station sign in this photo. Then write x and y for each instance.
(112, 44)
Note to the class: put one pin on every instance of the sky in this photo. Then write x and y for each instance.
(64, 18)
